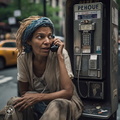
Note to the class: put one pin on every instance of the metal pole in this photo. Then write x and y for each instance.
(44, 7)
(19, 4)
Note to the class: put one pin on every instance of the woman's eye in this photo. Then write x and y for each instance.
(43, 36)
(40, 37)
(50, 37)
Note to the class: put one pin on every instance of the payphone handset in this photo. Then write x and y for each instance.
(88, 37)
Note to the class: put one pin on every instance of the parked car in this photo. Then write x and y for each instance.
(8, 53)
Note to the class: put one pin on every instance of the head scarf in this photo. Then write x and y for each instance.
(30, 29)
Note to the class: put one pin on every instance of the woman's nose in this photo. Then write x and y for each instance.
(47, 40)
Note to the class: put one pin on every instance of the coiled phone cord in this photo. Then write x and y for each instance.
(79, 67)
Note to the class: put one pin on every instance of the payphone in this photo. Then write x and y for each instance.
(89, 47)
(88, 25)
(91, 38)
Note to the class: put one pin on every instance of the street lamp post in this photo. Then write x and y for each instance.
(19, 4)
(44, 7)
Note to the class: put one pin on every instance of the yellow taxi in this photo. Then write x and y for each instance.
(8, 53)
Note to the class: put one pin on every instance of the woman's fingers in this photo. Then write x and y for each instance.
(25, 101)
(23, 106)
(19, 103)
(58, 42)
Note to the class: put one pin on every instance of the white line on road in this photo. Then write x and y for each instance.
(5, 79)
(1, 76)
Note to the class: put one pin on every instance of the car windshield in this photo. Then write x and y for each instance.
(9, 44)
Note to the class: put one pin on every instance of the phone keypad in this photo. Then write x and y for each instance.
(86, 39)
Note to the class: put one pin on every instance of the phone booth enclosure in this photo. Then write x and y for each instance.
(91, 41)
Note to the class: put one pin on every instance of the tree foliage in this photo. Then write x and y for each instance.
(28, 9)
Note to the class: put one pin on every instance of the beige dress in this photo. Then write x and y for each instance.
(58, 109)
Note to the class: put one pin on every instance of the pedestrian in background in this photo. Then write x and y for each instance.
(44, 77)
(7, 36)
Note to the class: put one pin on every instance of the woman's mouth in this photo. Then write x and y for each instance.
(46, 49)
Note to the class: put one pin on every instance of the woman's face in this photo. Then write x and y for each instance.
(41, 41)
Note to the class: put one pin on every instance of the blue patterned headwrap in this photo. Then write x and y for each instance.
(41, 22)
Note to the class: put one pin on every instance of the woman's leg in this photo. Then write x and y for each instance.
(58, 109)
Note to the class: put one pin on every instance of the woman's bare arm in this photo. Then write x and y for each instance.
(22, 87)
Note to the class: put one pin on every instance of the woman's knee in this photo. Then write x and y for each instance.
(60, 103)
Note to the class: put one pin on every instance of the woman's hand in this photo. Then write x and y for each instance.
(58, 42)
(27, 100)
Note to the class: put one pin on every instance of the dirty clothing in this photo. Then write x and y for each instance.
(57, 109)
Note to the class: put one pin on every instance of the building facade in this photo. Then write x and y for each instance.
(61, 13)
